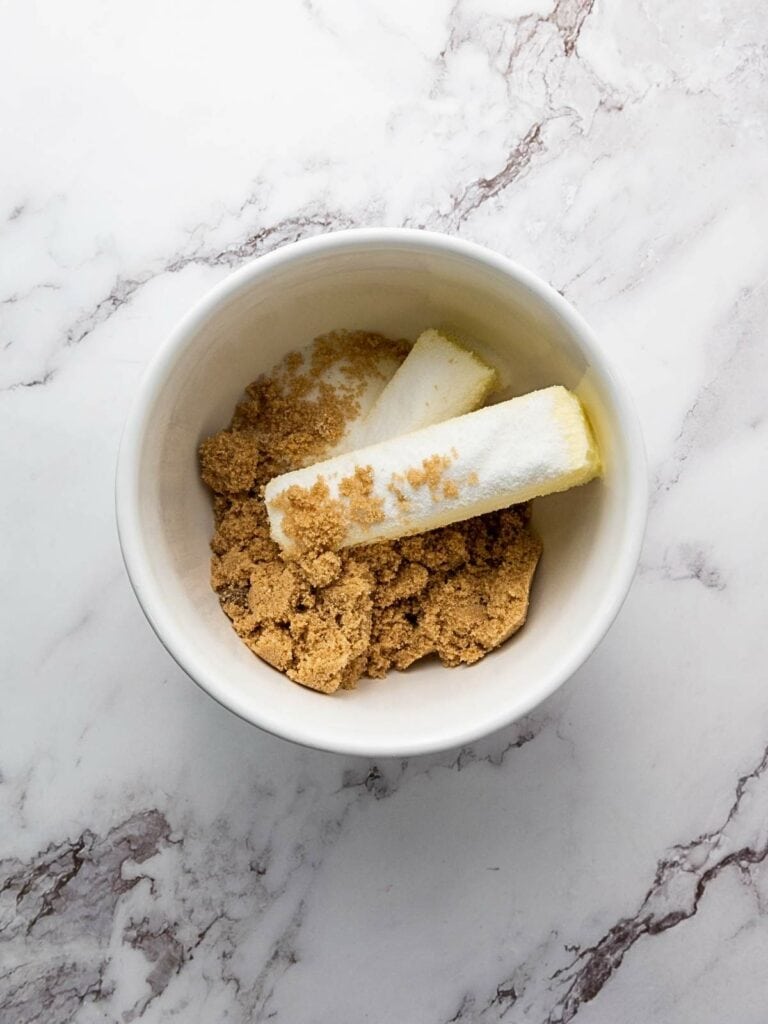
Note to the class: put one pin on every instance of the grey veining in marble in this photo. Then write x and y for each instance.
(603, 860)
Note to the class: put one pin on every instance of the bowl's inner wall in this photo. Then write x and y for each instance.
(398, 291)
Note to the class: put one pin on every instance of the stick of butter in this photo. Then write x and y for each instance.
(438, 379)
(526, 447)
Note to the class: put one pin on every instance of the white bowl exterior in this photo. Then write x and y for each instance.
(398, 282)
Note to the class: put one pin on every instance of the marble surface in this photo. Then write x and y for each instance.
(604, 860)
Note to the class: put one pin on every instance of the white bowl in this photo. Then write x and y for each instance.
(398, 282)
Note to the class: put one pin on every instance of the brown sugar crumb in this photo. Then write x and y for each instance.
(334, 635)
(326, 617)
(321, 570)
(315, 522)
(356, 354)
(472, 611)
(472, 595)
(273, 592)
(394, 488)
(429, 474)
(274, 646)
(312, 519)
(450, 490)
(229, 461)
(363, 507)
(302, 409)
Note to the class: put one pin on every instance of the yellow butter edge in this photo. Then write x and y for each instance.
(574, 420)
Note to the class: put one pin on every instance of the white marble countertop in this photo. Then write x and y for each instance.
(603, 860)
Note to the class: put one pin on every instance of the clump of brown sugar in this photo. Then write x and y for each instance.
(299, 411)
(315, 522)
(327, 617)
(362, 506)
(429, 473)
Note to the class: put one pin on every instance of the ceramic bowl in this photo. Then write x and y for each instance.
(398, 282)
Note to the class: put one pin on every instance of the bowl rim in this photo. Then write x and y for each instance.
(129, 522)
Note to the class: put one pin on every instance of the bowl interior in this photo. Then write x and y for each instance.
(280, 303)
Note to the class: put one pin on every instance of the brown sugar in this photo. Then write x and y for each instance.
(429, 473)
(326, 617)
(395, 487)
(315, 522)
(302, 409)
(363, 507)
(312, 519)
